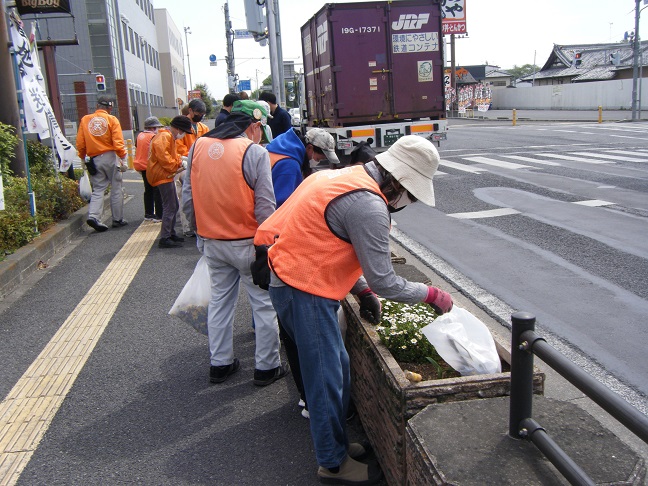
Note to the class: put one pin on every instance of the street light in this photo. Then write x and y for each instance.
(187, 30)
(175, 95)
(148, 96)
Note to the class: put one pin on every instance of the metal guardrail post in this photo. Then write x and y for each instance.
(521, 373)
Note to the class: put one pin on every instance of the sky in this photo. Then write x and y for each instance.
(502, 33)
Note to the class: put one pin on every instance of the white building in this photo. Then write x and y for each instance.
(171, 50)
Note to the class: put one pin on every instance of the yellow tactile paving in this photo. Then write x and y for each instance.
(28, 409)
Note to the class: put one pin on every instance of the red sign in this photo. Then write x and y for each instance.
(193, 94)
(454, 17)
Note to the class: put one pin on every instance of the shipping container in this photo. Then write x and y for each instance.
(373, 71)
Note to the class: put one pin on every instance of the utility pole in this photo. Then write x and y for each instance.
(453, 72)
(635, 62)
(10, 113)
(231, 65)
(275, 45)
(187, 30)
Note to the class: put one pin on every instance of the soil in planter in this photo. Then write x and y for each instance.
(430, 372)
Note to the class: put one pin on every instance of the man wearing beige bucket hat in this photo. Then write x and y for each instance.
(343, 217)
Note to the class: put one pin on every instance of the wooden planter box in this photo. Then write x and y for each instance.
(386, 400)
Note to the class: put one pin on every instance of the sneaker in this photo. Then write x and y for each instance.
(176, 238)
(96, 225)
(119, 224)
(305, 413)
(350, 472)
(169, 243)
(301, 403)
(149, 217)
(218, 374)
(267, 377)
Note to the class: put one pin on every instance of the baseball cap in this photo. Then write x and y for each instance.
(182, 122)
(323, 140)
(256, 111)
(152, 122)
(105, 101)
(412, 161)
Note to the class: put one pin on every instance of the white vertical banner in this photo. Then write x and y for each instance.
(38, 110)
(2, 204)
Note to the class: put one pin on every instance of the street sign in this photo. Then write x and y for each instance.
(212, 58)
(243, 34)
(244, 85)
(194, 94)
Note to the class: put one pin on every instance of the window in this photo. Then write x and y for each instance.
(125, 32)
(132, 40)
(139, 52)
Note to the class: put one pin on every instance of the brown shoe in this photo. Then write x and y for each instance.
(350, 472)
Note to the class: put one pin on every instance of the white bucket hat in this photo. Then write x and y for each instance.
(322, 139)
(412, 160)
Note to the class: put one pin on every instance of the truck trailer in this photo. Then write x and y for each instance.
(373, 72)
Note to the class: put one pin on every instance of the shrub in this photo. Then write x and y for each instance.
(8, 142)
(40, 159)
(165, 120)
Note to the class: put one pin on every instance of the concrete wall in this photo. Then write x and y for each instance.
(611, 95)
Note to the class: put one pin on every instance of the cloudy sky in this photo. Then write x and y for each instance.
(501, 32)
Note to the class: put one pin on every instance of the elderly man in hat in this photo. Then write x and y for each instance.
(100, 138)
(152, 198)
(163, 164)
(343, 217)
(226, 196)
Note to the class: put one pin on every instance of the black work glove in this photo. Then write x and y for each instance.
(369, 306)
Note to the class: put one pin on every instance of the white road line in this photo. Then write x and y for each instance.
(462, 167)
(496, 163)
(535, 161)
(627, 152)
(625, 136)
(575, 159)
(566, 131)
(489, 213)
(594, 203)
(610, 157)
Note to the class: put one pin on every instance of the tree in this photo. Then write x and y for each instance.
(206, 96)
(521, 71)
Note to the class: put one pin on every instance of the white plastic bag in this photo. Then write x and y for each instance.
(464, 342)
(191, 305)
(85, 189)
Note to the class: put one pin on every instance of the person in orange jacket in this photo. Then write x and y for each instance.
(100, 138)
(196, 110)
(163, 164)
(152, 198)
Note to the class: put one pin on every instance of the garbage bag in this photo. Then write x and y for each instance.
(464, 342)
(191, 305)
(85, 189)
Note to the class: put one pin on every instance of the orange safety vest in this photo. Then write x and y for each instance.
(163, 161)
(274, 158)
(184, 144)
(308, 255)
(223, 201)
(142, 146)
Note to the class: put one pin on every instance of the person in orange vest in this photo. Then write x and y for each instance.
(152, 198)
(227, 194)
(163, 164)
(100, 138)
(196, 110)
(331, 237)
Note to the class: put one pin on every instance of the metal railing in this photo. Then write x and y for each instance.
(524, 344)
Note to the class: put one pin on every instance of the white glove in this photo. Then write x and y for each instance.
(184, 162)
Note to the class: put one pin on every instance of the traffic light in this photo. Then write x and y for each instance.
(577, 58)
(100, 79)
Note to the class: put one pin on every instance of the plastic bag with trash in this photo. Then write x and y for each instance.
(464, 342)
(85, 188)
(191, 305)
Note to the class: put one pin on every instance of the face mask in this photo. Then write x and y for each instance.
(197, 118)
(400, 203)
(180, 135)
(313, 163)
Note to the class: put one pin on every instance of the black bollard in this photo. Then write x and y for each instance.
(521, 406)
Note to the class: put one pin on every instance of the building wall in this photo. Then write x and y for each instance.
(611, 95)
(174, 80)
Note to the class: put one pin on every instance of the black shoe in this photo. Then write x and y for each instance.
(96, 225)
(176, 238)
(169, 243)
(218, 374)
(189, 234)
(119, 224)
(266, 377)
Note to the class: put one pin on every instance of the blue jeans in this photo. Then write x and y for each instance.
(312, 323)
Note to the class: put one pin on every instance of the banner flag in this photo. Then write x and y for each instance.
(38, 110)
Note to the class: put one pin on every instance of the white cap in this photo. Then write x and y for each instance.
(322, 139)
(412, 161)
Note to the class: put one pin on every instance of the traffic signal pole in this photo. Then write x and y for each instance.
(635, 62)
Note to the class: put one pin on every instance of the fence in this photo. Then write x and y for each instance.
(524, 344)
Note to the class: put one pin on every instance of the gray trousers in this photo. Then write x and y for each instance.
(169, 209)
(107, 175)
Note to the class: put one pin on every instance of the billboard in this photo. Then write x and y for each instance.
(193, 94)
(453, 16)
(42, 6)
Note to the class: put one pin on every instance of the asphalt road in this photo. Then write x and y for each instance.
(551, 218)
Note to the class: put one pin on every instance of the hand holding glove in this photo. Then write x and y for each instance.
(370, 307)
(123, 165)
(439, 300)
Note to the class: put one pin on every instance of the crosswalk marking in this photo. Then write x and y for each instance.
(462, 167)
(594, 203)
(529, 159)
(496, 163)
(489, 213)
(626, 152)
(575, 159)
(607, 156)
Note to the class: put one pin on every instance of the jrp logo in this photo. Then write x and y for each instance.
(410, 21)
(322, 38)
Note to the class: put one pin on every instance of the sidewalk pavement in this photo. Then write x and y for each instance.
(466, 442)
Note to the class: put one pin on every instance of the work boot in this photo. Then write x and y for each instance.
(359, 450)
(350, 472)
(169, 243)
(97, 225)
(218, 374)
